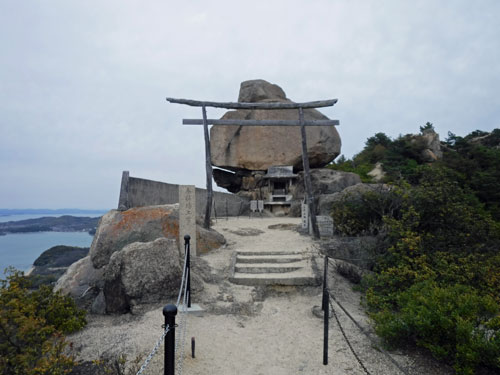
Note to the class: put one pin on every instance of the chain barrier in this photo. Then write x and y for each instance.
(181, 325)
(347, 340)
(153, 352)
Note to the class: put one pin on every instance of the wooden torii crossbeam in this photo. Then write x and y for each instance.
(268, 106)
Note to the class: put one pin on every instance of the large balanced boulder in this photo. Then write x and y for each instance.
(260, 147)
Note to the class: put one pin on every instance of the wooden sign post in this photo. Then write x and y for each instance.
(208, 167)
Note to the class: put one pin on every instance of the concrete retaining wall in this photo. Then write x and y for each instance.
(138, 192)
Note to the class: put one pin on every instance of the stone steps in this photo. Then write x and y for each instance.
(268, 267)
(272, 268)
(270, 252)
(269, 258)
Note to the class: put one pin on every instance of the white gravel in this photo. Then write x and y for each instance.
(247, 330)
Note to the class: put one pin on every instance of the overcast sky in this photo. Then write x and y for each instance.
(83, 83)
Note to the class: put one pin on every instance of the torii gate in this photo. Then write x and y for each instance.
(238, 105)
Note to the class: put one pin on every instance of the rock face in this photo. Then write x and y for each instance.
(142, 273)
(377, 173)
(140, 224)
(433, 151)
(359, 250)
(82, 282)
(354, 192)
(134, 259)
(228, 180)
(327, 181)
(258, 90)
(491, 139)
(257, 148)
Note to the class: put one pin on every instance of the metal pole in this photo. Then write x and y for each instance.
(326, 316)
(170, 311)
(324, 304)
(187, 248)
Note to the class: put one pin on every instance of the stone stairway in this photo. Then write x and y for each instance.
(273, 268)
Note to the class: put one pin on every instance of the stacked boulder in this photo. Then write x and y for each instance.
(246, 152)
(134, 259)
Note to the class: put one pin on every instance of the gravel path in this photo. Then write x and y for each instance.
(252, 330)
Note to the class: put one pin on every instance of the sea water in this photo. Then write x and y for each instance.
(20, 250)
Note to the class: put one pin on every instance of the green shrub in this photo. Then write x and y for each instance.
(452, 322)
(436, 282)
(362, 213)
(441, 240)
(32, 325)
(352, 218)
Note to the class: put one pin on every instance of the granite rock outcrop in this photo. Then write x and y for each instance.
(432, 151)
(326, 181)
(142, 272)
(134, 259)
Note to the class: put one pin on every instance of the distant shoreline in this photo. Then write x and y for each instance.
(64, 223)
(48, 211)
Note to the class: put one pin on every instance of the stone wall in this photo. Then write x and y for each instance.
(139, 192)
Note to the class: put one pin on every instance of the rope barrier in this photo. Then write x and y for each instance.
(182, 312)
(330, 258)
(385, 353)
(183, 333)
(182, 329)
(153, 352)
(182, 280)
(347, 340)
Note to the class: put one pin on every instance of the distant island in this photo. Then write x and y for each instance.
(63, 223)
(47, 211)
(52, 263)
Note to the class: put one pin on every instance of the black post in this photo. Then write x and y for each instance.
(170, 311)
(326, 316)
(187, 248)
(324, 303)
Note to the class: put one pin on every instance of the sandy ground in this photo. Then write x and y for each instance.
(250, 330)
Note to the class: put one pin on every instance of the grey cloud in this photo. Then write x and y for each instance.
(83, 84)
